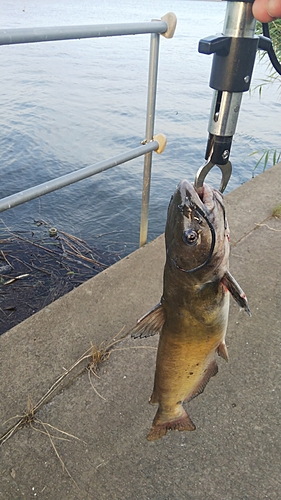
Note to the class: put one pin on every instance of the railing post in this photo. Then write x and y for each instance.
(166, 27)
(150, 118)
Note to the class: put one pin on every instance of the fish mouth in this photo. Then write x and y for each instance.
(202, 198)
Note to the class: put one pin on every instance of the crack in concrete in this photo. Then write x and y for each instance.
(257, 226)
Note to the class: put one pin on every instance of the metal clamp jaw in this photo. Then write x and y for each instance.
(233, 61)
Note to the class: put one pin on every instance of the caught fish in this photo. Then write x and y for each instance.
(192, 315)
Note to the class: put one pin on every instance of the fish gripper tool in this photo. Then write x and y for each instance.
(234, 53)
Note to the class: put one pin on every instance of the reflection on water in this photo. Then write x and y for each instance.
(69, 104)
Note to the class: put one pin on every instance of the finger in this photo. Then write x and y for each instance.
(274, 8)
(260, 11)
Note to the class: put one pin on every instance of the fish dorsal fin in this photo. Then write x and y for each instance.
(149, 324)
(236, 291)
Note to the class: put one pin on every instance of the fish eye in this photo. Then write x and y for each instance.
(190, 237)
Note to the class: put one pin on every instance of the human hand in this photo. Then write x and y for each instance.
(266, 10)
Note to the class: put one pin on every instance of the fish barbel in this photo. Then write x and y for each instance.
(192, 315)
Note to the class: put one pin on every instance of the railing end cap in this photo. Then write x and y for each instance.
(171, 20)
(162, 141)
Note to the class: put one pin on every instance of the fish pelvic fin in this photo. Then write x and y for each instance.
(149, 324)
(236, 291)
(159, 429)
(222, 351)
(211, 371)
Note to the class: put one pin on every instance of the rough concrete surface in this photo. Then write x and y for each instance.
(235, 451)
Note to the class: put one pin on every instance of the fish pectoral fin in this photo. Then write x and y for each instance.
(149, 324)
(211, 371)
(236, 291)
(159, 428)
(222, 351)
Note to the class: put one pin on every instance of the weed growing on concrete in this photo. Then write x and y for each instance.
(98, 356)
(276, 212)
(28, 417)
(52, 438)
(94, 356)
(101, 354)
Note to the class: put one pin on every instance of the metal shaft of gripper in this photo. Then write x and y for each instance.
(230, 81)
(233, 61)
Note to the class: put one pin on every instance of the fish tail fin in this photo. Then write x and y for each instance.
(159, 429)
(149, 324)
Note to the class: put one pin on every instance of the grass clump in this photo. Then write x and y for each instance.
(276, 212)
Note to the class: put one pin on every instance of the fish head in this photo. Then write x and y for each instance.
(197, 234)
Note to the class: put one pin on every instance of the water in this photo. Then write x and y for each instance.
(68, 104)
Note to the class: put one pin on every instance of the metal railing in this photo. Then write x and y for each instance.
(166, 27)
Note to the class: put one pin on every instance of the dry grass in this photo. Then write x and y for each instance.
(36, 269)
(94, 357)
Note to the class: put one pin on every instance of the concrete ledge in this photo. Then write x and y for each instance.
(252, 203)
(237, 437)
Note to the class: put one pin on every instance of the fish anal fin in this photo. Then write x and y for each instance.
(236, 291)
(149, 324)
(222, 351)
(158, 430)
(211, 371)
(154, 400)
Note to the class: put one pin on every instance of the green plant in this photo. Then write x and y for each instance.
(275, 35)
(277, 212)
(268, 157)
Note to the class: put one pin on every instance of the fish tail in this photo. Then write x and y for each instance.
(159, 429)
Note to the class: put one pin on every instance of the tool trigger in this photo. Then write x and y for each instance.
(205, 169)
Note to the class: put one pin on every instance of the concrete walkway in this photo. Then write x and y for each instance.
(235, 451)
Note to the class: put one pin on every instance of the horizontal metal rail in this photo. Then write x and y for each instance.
(166, 27)
(77, 175)
(48, 34)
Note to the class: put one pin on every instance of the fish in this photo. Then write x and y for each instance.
(192, 315)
